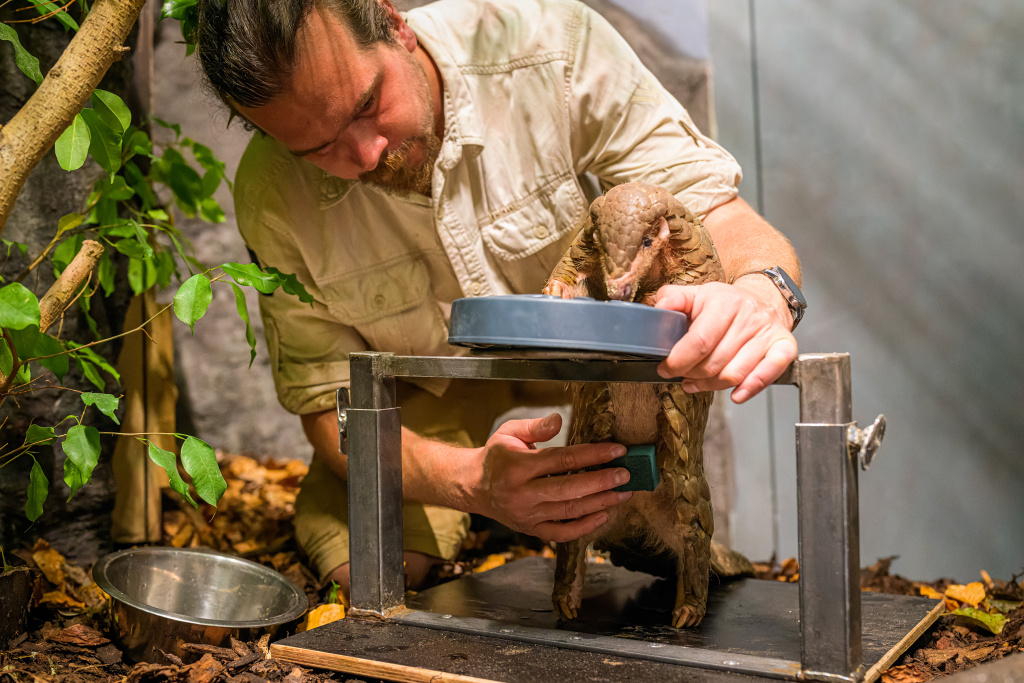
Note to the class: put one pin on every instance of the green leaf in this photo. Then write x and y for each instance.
(291, 285)
(6, 359)
(164, 269)
(140, 143)
(82, 447)
(107, 404)
(86, 353)
(107, 274)
(105, 147)
(45, 7)
(24, 375)
(28, 64)
(19, 307)
(192, 299)
(169, 462)
(1005, 606)
(38, 488)
(90, 372)
(112, 110)
(243, 313)
(25, 341)
(158, 215)
(172, 126)
(187, 187)
(23, 248)
(210, 211)
(72, 147)
(177, 9)
(143, 189)
(57, 364)
(116, 188)
(132, 248)
(69, 222)
(250, 275)
(141, 274)
(993, 623)
(40, 436)
(201, 464)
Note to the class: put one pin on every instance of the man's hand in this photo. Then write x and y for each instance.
(739, 336)
(531, 490)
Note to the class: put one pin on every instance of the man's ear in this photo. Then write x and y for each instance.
(403, 33)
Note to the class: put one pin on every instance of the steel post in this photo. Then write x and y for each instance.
(828, 518)
(374, 489)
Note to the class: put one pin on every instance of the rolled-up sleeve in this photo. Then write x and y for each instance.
(628, 127)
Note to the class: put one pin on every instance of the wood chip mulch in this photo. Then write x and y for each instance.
(68, 639)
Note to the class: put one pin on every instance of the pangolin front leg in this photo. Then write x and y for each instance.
(690, 525)
(591, 423)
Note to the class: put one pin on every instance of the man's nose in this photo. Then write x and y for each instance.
(368, 152)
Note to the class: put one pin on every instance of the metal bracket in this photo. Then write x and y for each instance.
(866, 442)
(344, 403)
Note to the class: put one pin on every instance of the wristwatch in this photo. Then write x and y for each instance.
(794, 297)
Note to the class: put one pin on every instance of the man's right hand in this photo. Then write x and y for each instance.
(539, 491)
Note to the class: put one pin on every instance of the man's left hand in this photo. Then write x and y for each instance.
(739, 336)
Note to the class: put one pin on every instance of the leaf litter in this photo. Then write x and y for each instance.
(69, 639)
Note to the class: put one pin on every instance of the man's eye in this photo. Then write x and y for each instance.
(646, 242)
(366, 107)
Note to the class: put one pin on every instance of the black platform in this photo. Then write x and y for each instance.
(462, 628)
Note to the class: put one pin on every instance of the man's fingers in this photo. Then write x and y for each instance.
(532, 430)
(562, 532)
(697, 344)
(581, 507)
(576, 486)
(563, 459)
(677, 298)
(776, 360)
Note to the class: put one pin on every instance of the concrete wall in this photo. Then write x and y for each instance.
(893, 157)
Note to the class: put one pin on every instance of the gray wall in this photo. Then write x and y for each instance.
(893, 157)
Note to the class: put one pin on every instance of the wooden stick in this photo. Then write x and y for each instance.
(62, 292)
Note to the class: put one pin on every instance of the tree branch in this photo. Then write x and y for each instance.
(33, 130)
(62, 292)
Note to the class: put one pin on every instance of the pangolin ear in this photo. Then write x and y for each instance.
(595, 209)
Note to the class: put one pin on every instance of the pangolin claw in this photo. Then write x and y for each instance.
(565, 609)
(685, 616)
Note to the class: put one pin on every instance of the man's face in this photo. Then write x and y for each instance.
(356, 113)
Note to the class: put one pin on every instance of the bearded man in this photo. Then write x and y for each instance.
(404, 161)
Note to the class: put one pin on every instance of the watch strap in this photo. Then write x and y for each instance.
(794, 300)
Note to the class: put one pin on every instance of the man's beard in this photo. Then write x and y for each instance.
(394, 172)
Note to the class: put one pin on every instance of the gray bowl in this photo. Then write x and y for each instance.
(164, 597)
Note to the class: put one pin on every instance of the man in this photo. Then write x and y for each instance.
(405, 162)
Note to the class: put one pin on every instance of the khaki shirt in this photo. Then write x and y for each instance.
(536, 93)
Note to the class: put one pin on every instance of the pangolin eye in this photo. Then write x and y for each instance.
(646, 242)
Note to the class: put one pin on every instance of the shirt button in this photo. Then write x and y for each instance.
(541, 231)
(475, 289)
(379, 301)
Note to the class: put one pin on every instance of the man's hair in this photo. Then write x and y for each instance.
(247, 47)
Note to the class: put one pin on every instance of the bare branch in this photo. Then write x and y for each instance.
(63, 292)
(50, 110)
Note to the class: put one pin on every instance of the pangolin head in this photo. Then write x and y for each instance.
(631, 225)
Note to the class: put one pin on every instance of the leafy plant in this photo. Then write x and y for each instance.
(125, 214)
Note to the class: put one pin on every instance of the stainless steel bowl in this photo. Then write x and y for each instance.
(164, 597)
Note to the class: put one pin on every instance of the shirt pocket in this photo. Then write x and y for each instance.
(392, 307)
(529, 236)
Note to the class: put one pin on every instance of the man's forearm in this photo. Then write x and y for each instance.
(746, 242)
(432, 472)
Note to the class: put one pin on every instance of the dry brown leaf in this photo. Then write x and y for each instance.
(61, 599)
(183, 536)
(91, 594)
(206, 670)
(908, 673)
(491, 562)
(929, 592)
(79, 634)
(324, 614)
(979, 652)
(987, 579)
(50, 562)
(972, 593)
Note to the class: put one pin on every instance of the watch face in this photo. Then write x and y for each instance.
(792, 286)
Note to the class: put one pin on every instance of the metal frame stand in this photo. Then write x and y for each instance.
(827, 443)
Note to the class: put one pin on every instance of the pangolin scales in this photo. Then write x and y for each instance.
(640, 237)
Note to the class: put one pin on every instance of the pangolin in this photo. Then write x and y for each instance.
(639, 238)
